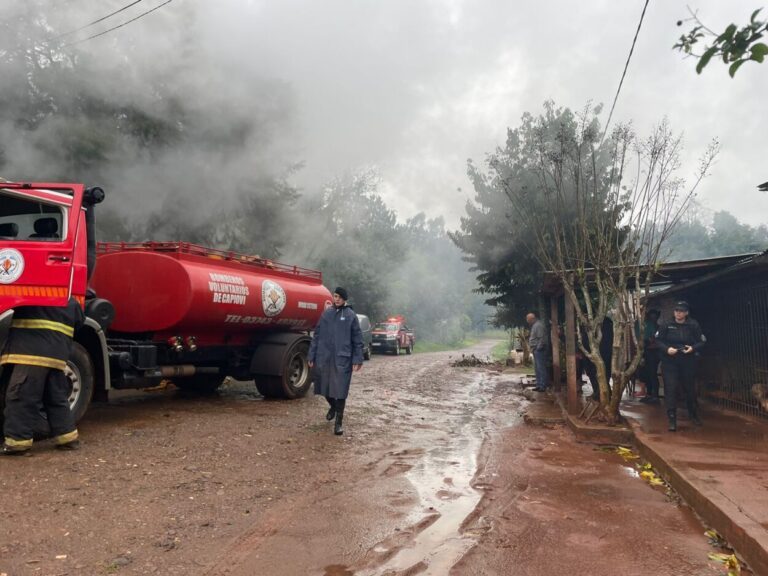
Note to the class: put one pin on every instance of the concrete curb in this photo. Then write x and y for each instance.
(745, 535)
(594, 433)
(598, 434)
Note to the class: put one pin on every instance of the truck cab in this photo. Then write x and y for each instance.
(45, 260)
(392, 335)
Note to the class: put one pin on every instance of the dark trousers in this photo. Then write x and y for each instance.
(31, 390)
(540, 367)
(650, 371)
(337, 404)
(679, 375)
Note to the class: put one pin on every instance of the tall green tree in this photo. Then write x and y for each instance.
(729, 236)
(497, 242)
(599, 211)
(389, 267)
(434, 285)
(354, 238)
(719, 235)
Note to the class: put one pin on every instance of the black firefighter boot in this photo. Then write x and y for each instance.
(672, 415)
(332, 410)
(338, 429)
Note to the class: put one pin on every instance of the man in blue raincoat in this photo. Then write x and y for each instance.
(336, 351)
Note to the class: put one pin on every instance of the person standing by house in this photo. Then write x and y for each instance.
(335, 352)
(679, 342)
(537, 341)
(606, 354)
(33, 362)
(651, 358)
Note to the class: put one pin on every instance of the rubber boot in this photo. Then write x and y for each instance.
(332, 410)
(12, 451)
(672, 415)
(338, 428)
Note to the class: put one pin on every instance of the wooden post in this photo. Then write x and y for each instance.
(570, 356)
(554, 337)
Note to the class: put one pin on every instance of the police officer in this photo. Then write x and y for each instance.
(679, 341)
(35, 355)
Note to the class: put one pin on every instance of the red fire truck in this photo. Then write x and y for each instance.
(155, 310)
(393, 336)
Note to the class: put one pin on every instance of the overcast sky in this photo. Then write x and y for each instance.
(416, 87)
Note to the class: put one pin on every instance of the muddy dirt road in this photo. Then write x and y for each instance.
(436, 474)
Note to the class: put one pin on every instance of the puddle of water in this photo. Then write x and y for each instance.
(337, 570)
(444, 469)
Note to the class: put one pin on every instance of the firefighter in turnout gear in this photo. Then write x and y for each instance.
(33, 362)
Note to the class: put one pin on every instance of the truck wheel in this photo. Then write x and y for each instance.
(295, 380)
(397, 348)
(409, 349)
(80, 373)
(367, 353)
(200, 383)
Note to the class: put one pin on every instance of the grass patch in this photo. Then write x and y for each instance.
(498, 333)
(422, 346)
(500, 351)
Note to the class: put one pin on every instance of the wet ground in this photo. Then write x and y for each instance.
(436, 475)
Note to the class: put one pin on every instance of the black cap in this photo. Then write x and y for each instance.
(682, 305)
(341, 292)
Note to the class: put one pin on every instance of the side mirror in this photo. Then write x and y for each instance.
(93, 196)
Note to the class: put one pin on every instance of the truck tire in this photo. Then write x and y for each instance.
(409, 348)
(367, 353)
(397, 348)
(295, 380)
(80, 373)
(200, 383)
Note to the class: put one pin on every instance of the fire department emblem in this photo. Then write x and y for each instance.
(11, 265)
(272, 298)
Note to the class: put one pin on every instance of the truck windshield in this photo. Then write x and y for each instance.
(387, 327)
(29, 219)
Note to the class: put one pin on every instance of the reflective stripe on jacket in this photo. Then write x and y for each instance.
(42, 335)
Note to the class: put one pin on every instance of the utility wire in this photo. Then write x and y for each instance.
(118, 26)
(623, 74)
(95, 21)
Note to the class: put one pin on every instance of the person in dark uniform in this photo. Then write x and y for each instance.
(649, 371)
(336, 351)
(679, 341)
(33, 361)
(606, 353)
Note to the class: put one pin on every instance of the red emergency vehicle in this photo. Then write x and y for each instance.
(154, 310)
(392, 335)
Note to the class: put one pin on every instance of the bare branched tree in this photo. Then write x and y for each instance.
(600, 213)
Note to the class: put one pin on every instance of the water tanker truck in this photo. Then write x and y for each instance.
(154, 310)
